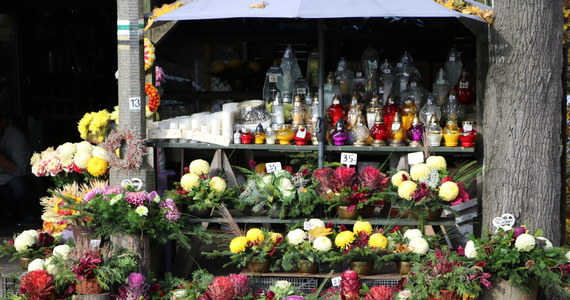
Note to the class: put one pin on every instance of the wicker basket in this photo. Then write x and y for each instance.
(88, 287)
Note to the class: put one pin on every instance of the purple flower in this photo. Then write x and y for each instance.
(152, 195)
(136, 288)
(136, 280)
(92, 193)
(137, 198)
(112, 191)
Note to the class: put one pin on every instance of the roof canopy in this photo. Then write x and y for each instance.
(311, 9)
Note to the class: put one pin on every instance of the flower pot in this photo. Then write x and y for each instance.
(404, 267)
(201, 213)
(367, 211)
(343, 213)
(307, 266)
(259, 266)
(433, 215)
(446, 295)
(362, 268)
(24, 262)
(137, 244)
(88, 286)
(505, 290)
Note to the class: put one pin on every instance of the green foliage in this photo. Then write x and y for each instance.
(293, 254)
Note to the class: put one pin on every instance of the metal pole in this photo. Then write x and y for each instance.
(321, 123)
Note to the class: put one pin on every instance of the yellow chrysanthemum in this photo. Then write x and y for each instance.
(378, 240)
(83, 125)
(238, 244)
(274, 236)
(344, 239)
(419, 171)
(189, 181)
(319, 231)
(406, 189)
(217, 184)
(255, 235)
(436, 162)
(398, 178)
(362, 226)
(199, 167)
(449, 191)
(97, 166)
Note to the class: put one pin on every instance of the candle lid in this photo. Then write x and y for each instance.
(336, 99)
(277, 100)
(433, 120)
(397, 118)
(316, 98)
(378, 118)
(391, 99)
(416, 120)
(259, 128)
(360, 120)
(298, 101)
(340, 124)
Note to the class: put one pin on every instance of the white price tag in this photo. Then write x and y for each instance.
(395, 126)
(373, 64)
(301, 91)
(328, 87)
(94, 243)
(308, 225)
(413, 84)
(452, 58)
(467, 127)
(348, 159)
(335, 281)
(387, 71)
(272, 78)
(272, 167)
(415, 158)
(451, 97)
(301, 134)
(464, 84)
(399, 65)
(358, 74)
(135, 103)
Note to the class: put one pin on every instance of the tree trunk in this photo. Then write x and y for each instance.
(522, 118)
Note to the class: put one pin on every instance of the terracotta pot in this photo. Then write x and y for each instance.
(24, 262)
(260, 266)
(88, 286)
(404, 267)
(362, 268)
(307, 266)
(343, 213)
(505, 290)
(446, 295)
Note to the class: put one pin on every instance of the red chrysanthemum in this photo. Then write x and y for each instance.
(37, 285)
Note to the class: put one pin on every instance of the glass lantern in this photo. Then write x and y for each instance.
(429, 110)
(441, 87)
(453, 66)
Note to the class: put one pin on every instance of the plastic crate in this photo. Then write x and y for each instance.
(302, 284)
(378, 282)
(8, 286)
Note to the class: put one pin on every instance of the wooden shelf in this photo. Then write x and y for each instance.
(404, 221)
(387, 276)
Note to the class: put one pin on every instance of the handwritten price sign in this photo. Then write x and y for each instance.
(272, 167)
(348, 159)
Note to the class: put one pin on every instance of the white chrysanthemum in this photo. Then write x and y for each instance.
(66, 151)
(100, 152)
(142, 211)
(282, 284)
(199, 167)
(419, 246)
(568, 256)
(49, 153)
(24, 241)
(436, 162)
(470, 251)
(296, 237)
(525, 242)
(179, 294)
(35, 159)
(61, 250)
(411, 234)
(405, 294)
(420, 172)
(81, 159)
(32, 232)
(316, 223)
(49, 266)
(322, 243)
(84, 146)
(548, 243)
(36, 265)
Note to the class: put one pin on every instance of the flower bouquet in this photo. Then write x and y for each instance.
(428, 188)
(363, 247)
(254, 250)
(407, 247)
(522, 258)
(29, 244)
(95, 126)
(71, 162)
(446, 273)
(306, 249)
(344, 186)
(282, 193)
(198, 192)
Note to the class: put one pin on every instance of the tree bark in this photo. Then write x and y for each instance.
(522, 117)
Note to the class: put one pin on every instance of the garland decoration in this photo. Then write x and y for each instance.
(134, 149)
(153, 97)
(149, 55)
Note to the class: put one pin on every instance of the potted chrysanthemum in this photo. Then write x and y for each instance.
(407, 247)
(28, 246)
(305, 249)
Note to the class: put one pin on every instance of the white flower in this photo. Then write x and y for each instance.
(322, 243)
(284, 184)
(142, 211)
(470, 251)
(115, 199)
(48, 154)
(24, 241)
(81, 159)
(99, 152)
(296, 237)
(36, 159)
(525, 242)
(179, 294)
(62, 250)
(411, 234)
(84, 146)
(32, 232)
(282, 284)
(316, 223)
(548, 243)
(50, 268)
(36, 264)
(405, 294)
(66, 150)
(419, 246)
(568, 256)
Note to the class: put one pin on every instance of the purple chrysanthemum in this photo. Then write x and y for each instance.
(92, 193)
(152, 195)
(172, 214)
(137, 198)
